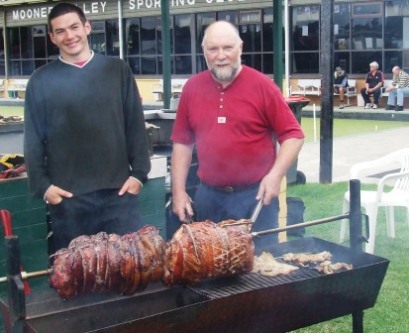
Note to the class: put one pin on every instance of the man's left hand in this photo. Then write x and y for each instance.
(269, 189)
(131, 186)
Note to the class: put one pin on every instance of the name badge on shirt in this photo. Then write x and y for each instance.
(221, 120)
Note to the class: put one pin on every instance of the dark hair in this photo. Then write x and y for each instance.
(64, 8)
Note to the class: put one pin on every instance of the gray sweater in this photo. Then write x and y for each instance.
(84, 127)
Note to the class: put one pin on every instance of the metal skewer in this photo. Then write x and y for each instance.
(253, 218)
(236, 224)
(299, 225)
(28, 275)
(256, 210)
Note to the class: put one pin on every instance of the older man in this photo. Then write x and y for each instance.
(373, 85)
(398, 89)
(231, 113)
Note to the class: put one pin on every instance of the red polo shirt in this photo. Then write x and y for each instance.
(233, 127)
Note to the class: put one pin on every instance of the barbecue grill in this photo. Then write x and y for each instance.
(247, 303)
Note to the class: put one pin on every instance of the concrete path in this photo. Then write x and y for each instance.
(349, 150)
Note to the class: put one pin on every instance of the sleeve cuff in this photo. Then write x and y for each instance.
(45, 193)
(136, 180)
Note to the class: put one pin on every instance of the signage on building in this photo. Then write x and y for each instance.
(152, 4)
(100, 7)
(20, 14)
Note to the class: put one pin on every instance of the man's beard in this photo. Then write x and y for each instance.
(225, 73)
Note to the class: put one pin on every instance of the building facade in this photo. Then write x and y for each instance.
(364, 31)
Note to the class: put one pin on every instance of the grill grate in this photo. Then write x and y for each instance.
(249, 282)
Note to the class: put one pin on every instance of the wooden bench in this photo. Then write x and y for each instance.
(349, 92)
(17, 85)
(386, 83)
(176, 88)
(305, 87)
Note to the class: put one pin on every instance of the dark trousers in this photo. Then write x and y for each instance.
(90, 213)
(376, 94)
(217, 205)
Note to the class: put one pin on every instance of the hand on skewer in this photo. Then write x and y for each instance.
(182, 207)
(269, 188)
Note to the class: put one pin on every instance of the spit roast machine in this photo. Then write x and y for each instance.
(247, 303)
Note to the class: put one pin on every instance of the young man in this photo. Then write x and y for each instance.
(398, 89)
(85, 140)
(231, 113)
(373, 85)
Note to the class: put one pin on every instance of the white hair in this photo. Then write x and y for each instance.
(232, 26)
(374, 64)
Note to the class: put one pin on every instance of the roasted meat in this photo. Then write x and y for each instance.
(206, 250)
(103, 262)
(265, 264)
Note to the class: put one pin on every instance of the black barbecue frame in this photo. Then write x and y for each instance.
(17, 298)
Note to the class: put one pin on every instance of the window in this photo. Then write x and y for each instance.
(253, 16)
(392, 59)
(230, 16)
(306, 28)
(361, 60)
(268, 41)
(371, 9)
(183, 44)
(250, 33)
(268, 33)
(97, 37)
(112, 38)
(341, 27)
(305, 39)
(143, 45)
(2, 61)
(133, 44)
(30, 48)
(341, 59)
(202, 22)
(306, 62)
(367, 33)
(397, 34)
(149, 43)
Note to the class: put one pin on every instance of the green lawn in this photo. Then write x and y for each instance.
(7, 111)
(343, 127)
(390, 313)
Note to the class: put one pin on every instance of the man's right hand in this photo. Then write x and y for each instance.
(182, 207)
(54, 195)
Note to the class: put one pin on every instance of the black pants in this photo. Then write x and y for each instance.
(216, 205)
(90, 213)
(376, 94)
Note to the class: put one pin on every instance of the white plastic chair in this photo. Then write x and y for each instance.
(398, 196)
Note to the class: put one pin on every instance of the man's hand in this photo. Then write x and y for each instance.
(269, 188)
(54, 195)
(131, 186)
(182, 207)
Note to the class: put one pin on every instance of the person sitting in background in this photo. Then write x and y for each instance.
(398, 89)
(340, 85)
(373, 85)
